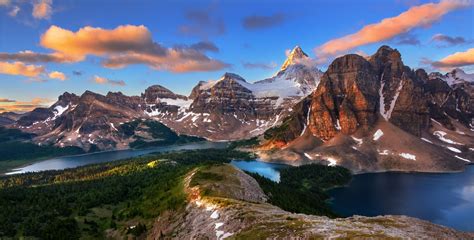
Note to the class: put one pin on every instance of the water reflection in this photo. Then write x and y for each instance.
(446, 199)
(268, 170)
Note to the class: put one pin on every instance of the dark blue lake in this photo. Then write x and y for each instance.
(442, 198)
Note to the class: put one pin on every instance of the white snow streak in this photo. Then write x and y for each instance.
(378, 134)
(458, 157)
(454, 150)
(441, 136)
(407, 156)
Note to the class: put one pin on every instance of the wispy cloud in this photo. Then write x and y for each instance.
(5, 2)
(103, 80)
(14, 11)
(260, 22)
(57, 75)
(42, 9)
(19, 106)
(202, 24)
(388, 28)
(407, 39)
(19, 68)
(445, 40)
(254, 65)
(458, 59)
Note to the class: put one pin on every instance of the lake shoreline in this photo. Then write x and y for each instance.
(149, 150)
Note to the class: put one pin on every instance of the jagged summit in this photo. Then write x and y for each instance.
(295, 55)
(229, 76)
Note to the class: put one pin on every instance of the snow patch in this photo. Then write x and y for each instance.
(454, 150)
(458, 157)
(308, 156)
(441, 136)
(215, 214)
(407, 156)
(332, 162)
(358, 140)
(426, 140)
(378, 134)
(385, 152)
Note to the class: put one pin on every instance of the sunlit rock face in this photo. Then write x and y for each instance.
(345, 99)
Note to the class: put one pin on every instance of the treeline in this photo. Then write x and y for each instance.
(303, 189)
(161, 134)
(59, 204)
(16, 145)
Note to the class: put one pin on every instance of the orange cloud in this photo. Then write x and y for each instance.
(57, 75)
(19, 68)
(18, 106)
(388, 28)
(127, 45)
(458, 59)
(42, 9)
(98, 41)
(103, 80)
(120, 47)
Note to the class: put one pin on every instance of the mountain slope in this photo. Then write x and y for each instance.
(377, 115)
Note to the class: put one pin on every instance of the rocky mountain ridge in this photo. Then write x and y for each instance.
(226, 109)
(369, 114)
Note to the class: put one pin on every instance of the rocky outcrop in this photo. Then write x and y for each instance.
(227, 213)
(365, 99)
(345, 99)
(156, 92)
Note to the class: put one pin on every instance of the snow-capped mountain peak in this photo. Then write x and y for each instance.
(456, 76)
(294, 57)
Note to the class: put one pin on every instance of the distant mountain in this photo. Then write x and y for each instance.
(226, 109)
(377, 114)
(366, 114)
(231, 108)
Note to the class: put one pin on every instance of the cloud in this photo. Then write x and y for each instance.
(5, 2)
(202, 24)
(77, 73)
(103, 80)
(42, 9)
(14, 11)
(119, 47)
(57, 75)
(98, 41)
(19, 68)
(5, 100)
(254, 65)
(127, 45)
(260, 22)
(407, 39)
(205, 46)
(450, 41)
(18, 106)
(32, 57)
(458, 59)
(417, 16)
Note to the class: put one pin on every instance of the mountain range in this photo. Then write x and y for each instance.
(364, 113)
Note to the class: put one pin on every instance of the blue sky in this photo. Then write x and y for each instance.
(278, 25)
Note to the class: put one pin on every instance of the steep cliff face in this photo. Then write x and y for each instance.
(346, 98)
(367, 114)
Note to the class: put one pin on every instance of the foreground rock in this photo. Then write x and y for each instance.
(236, 208)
